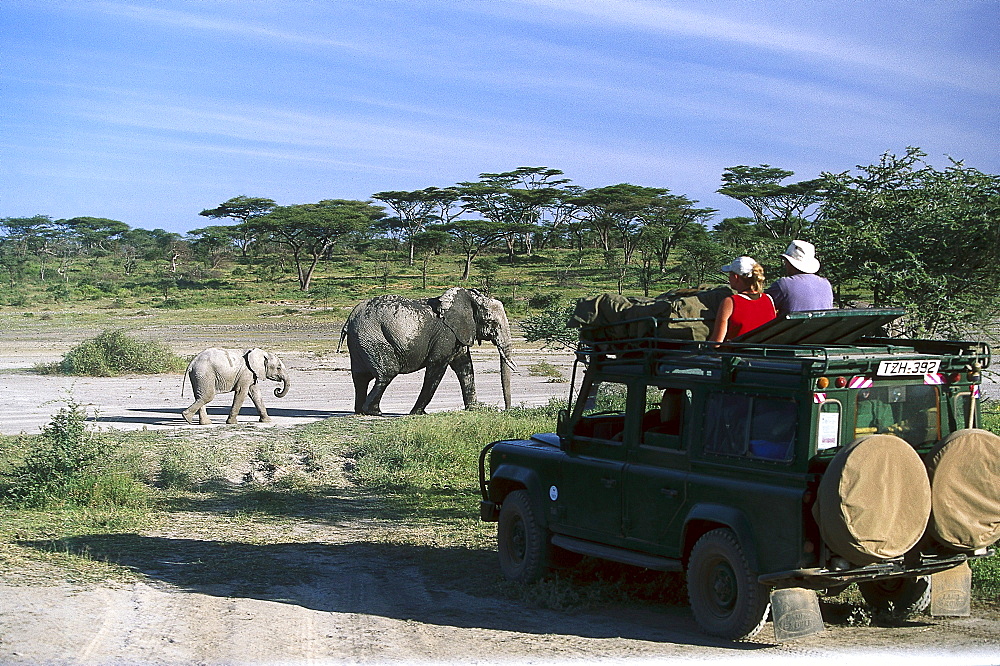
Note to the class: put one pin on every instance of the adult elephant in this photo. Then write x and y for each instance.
(217, 370)
(390, 335)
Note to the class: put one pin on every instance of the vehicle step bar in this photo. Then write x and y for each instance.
(622, 555)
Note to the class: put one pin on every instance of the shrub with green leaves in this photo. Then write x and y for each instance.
(70, 465)
(114, 352)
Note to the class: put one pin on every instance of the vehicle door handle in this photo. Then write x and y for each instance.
(609, 482)
(670, 492)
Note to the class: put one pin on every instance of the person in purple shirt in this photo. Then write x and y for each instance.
(800, 289)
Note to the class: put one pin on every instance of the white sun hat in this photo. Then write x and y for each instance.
(802, 255)
(742, 266)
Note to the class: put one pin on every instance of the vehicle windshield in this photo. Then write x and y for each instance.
(910, 412)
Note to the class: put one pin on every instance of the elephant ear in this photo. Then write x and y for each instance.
(488, 313)
(255, 361)
(456, 309)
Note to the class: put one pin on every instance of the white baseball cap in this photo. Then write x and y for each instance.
(802, 255)
(742, 266)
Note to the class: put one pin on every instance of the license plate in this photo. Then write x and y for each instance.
(911, 367)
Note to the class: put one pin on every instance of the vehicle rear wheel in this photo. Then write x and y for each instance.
(522, 542)
(896, 599)
(726, 598)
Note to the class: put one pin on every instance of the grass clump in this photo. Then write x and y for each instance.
(439, 452)
(69, 465)
(114, 353)
(546, 369)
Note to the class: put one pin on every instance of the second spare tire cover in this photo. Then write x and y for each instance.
(874, 500)
(965, 489)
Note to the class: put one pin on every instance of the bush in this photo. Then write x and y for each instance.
(70, 465)
(113, 353)
(540, 301)
(550, 328)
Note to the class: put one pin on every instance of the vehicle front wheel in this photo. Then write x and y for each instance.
(896, 599)
(726, 598)
(522, 542)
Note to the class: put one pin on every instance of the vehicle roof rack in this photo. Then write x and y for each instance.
(805, 336)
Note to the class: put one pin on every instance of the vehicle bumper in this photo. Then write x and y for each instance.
(820, 578)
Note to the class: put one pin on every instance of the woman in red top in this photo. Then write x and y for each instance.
(749, 307)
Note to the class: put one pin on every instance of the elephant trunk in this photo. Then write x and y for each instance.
(505, 368)
(280, 392)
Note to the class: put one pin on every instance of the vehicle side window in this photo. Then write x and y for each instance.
(750, 427)
(661, 422)
(726, 419)
(602, 411)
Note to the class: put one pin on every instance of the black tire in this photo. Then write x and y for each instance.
(896, 599)
(726, 598)
(522, 542)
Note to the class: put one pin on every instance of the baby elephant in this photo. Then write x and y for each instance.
(223, 370)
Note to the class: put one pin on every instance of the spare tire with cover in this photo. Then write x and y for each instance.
(965, 489)
(874, 500)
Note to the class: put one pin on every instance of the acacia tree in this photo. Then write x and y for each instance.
(310, 230)
(922, 238)
(559, 215)
(243, 209)
(426, 244)
(619, 213)
(95, 233)
(215, 243)
(782, 210)
(669, 220)
(414, 210)
(514, 200)
(27, 237)
(473, 236)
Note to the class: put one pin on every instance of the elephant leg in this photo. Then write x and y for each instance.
(372, 405)
(238, 399)
(432, 377)
(199, 406)
(361, 382)
(462, 365)
(259, 404)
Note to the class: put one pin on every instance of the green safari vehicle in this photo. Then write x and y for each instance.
(802, 457)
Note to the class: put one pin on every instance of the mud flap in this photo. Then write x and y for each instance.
(796, 613)
(951, 592)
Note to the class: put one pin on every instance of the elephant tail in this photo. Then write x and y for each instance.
(343, 329)
(184, 377)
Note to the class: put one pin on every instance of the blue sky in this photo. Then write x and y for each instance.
(149, 112)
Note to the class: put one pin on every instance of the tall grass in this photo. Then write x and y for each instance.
(440, 451)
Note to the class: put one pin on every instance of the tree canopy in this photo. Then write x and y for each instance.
(311, 230)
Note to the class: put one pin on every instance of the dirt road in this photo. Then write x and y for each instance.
(321, 387)
(343, 591)
(341, 600)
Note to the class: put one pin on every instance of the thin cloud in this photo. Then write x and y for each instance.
(637, 14)
(190, 21)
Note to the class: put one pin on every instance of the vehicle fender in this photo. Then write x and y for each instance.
(507, 478)
(705, 517)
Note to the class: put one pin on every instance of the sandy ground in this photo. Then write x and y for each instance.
(332, 596)
(321, 388)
